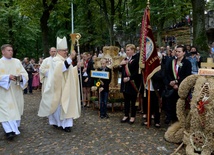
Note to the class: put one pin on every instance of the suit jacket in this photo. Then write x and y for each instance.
(132, 86)
(183, 71)
(106, 81)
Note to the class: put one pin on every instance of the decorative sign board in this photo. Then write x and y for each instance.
(203, 71)
(100, 74)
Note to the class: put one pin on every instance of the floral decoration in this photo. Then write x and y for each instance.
(181, 64)
(200, 106)
(98, 83)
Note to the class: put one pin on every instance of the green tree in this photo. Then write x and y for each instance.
(109, 8)
(210, 5)
(33, 25)
(17, 29)
(39, 10)
(199, 32)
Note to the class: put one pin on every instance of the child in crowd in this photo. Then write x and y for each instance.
(104, 89)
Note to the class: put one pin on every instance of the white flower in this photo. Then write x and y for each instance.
(181, 64)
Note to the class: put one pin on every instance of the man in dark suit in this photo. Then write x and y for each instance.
(130, 82)
(179, 68)
(30, 69)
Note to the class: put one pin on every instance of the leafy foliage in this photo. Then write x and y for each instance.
(100, 22)
(210, 5)
(17, 29)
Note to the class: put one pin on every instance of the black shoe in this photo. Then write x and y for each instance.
(131, 122)
(102, 116)
(55, 126)
(144, 123)
(157, 125)
(107, 116)
(167, 121)
(67, 129)
(124, 120)
(10, 135)
(144, 116)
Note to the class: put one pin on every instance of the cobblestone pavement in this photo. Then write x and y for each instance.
(90, 135)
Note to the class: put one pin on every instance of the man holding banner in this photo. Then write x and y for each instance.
(149, 61)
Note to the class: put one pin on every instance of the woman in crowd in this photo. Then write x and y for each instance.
(179, 68)
(85, 80)
(130, 82)
(36, 81)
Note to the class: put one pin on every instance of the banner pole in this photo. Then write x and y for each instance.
(80, 73)
(148, 108)
(72, 17)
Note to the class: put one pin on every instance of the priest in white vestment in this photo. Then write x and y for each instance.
(61, 97)
(13, 80)
(45, 66)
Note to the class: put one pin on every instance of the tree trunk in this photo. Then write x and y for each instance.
(112, 40)
(199, 32)
(45, 33)
(44, 25)
(109, 20)
(90, 27)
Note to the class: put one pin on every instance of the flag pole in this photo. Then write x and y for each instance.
(148, 6)
(148, 60)
(72, 17)
(148, 107)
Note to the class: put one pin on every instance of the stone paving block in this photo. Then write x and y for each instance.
(90, 135)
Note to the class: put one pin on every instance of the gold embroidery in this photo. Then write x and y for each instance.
(11, 106)
(18, 70)
(2, 70)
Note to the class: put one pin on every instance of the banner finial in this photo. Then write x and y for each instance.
(148, 3)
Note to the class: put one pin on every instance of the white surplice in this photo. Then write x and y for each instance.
(44, 70)
(12, 100)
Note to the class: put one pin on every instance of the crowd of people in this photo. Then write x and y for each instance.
(60, 72)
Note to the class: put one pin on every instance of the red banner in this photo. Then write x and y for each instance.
(149, 60)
